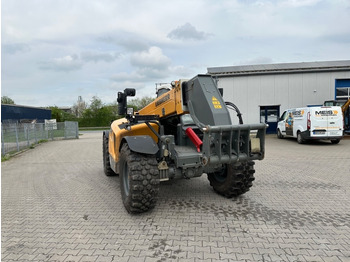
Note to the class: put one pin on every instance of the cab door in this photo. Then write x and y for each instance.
(281, 125)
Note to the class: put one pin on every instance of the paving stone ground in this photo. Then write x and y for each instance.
(57, 205)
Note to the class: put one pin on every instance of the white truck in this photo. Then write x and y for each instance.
(308, 123)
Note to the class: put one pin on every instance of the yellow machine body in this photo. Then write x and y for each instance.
(167, 104)
(119, 133)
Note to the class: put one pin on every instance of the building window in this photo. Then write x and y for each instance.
(342, 93)
(342, 89)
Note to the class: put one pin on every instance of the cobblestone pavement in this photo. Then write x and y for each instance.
(57, 205)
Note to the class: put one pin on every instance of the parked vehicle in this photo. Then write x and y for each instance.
(185, 132)
(345, 108)
(308, 123)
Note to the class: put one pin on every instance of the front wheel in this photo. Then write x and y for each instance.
(234, 179)
(300, 139)
(279, 134)
(139, 180)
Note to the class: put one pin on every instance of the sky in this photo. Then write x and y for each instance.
(53, 51)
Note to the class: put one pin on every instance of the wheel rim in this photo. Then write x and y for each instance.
(221, 176)
(126, 179)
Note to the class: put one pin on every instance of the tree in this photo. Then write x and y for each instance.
(96, 104)
(7, 100)
(60, 115)
(97, 114)
(56, 113)
(139, 103)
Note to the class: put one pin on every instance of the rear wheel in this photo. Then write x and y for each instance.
(105, 152)
(234, 179)
(335, 141)
(139, 180)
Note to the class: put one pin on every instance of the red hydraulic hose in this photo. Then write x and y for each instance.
(194, 138)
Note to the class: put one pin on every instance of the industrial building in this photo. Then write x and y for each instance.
(18, 113)
(262, 92)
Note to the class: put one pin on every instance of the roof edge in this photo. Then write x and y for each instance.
(282, 68)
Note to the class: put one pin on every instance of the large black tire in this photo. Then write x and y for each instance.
(234, 180)
(105, 152)
(139, 180)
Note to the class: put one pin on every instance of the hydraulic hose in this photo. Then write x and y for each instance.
(235, 108)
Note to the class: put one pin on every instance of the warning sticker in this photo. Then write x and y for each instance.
(216, 102)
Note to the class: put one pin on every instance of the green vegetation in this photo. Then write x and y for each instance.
(139, 103)
(96, 114)
(7, 100)
(60, 115)
(5, 157)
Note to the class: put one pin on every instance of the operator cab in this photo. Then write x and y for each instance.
(162, 89)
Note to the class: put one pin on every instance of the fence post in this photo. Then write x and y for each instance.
(65, 129)
(2, 141)
(77, 130)
(35, 136)
(16, 131)
(27, 134)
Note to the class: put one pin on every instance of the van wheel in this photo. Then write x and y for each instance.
(234, 179)
(335, 141)
(139, 180)
(105, 153)
(279, 134)
(300, 139)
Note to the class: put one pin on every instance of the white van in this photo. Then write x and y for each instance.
(306, 123)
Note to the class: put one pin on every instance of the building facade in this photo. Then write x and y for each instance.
(263, 92)
(18, 113)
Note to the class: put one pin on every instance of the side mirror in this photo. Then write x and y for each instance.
(130, 91)
(122, 100)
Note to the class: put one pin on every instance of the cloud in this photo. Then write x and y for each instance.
(66, 63)
(104, 44)
(125, 77)
(98, 56)
(152, 58)
(15, 48)
(300, 3)
(130, 42)
(74, 62)
(187, 31)
(257, 61)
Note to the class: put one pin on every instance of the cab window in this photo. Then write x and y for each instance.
(284, 116)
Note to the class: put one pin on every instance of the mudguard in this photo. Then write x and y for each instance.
(142, 144)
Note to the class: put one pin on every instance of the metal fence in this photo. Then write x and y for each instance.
(15, 136)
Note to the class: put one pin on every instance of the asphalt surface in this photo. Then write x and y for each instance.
(57, 205)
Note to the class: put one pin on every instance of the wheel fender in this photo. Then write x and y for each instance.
(142, 144)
